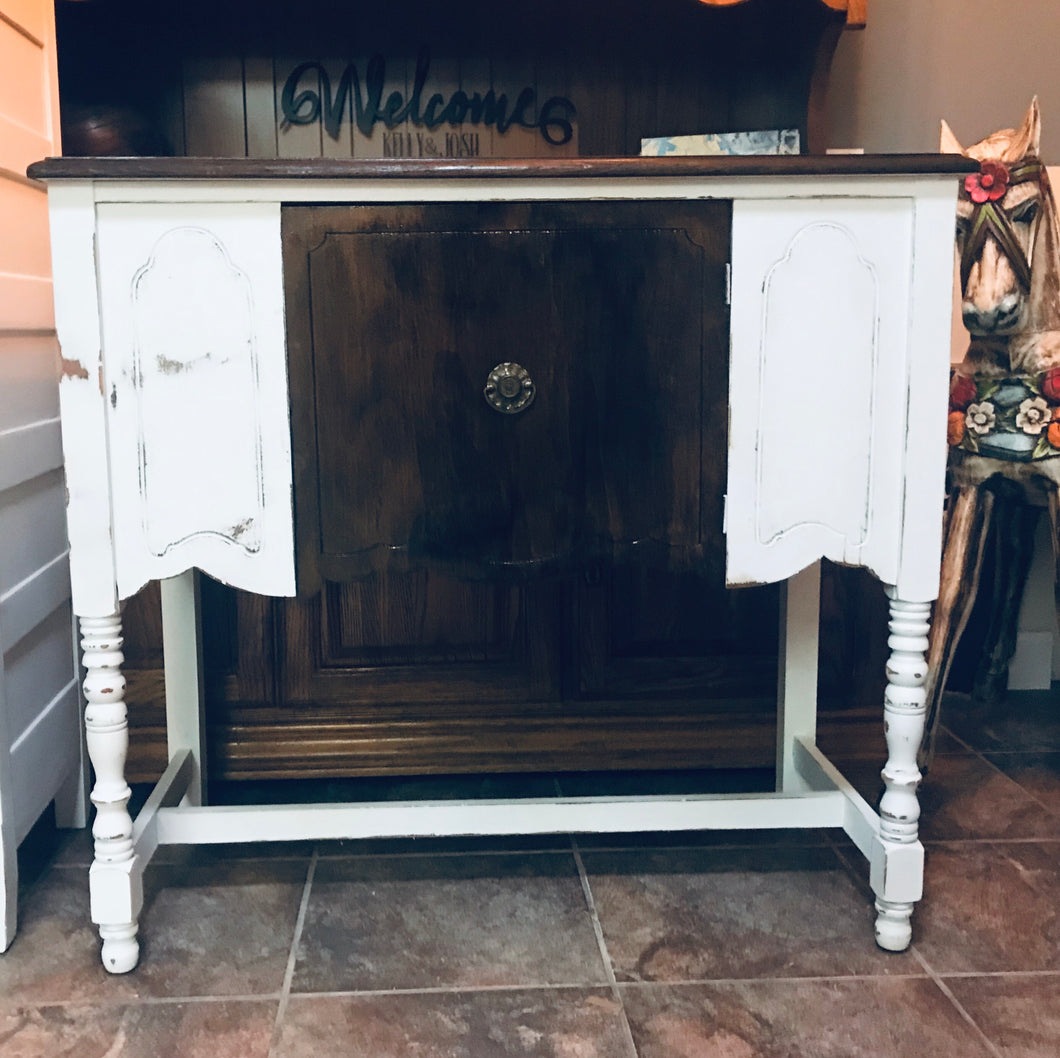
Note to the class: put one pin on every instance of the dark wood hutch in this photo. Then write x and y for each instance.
(424, 654)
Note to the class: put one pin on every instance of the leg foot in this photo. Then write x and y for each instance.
(121, 950)
(893, 929)
(114, 879)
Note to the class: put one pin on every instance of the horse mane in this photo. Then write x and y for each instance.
(1036, 347)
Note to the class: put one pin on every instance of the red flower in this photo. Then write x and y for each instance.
(963, 392)
(1051, 385)
(989, 184)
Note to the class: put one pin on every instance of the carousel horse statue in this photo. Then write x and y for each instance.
(1004, 417)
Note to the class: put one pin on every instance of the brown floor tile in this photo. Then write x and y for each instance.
(990, 907)
(966, 797)
(867, 1018)
(734, 913)
(218, 929)
(55, 955)
(567, 1023)
(1027, 721)
(447, 921)
(1020, 1015)
(1037, 773)
(176, 1030)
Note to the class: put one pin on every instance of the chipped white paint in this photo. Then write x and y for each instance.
(195, 373)
(114, 878)
(195, 382)
(177, 438)
(898, 882)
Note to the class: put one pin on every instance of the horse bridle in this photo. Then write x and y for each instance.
(989, 219)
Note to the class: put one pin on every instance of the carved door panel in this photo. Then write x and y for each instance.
(819, 414)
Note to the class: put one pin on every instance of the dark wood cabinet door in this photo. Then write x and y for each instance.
(482, 591)
(397, 315)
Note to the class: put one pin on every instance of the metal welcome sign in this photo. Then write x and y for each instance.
(423, 123)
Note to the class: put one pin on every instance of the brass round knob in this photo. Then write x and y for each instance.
(509, 388)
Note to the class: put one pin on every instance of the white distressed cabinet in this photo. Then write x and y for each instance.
(170, 310)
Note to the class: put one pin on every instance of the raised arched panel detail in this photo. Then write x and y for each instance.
(819, 376)
(195, 367)
(818, 386)
(196, 393)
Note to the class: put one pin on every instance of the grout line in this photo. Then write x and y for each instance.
(956, 1003)
(1046, 840)
(453, 990)
(962, 974)
(288, 976)
(572, 986)
(122, 1001)
(957, 738)
(605, 955)
(698, 982)
(435, 854)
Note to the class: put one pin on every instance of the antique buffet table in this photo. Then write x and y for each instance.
(184, 354)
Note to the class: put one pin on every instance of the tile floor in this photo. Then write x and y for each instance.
(732, 945)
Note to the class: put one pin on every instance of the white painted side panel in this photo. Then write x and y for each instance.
(928, 389)
(820, 335)
(196, 393)
(81, 400)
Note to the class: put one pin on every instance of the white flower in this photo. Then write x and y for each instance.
(980, 418)
(1033, 415)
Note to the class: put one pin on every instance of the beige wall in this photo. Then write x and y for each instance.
(975, 63)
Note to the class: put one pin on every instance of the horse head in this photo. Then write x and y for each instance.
(1007, 235)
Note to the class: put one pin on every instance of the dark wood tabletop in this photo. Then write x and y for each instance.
(183, 168)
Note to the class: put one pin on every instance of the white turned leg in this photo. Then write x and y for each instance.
(114, 879)
(898, 865)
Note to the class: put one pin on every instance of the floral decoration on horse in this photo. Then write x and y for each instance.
(1003, 423)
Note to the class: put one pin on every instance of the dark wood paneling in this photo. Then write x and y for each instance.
(202, 74)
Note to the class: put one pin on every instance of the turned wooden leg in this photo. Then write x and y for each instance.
(898, 868)
(969, 513)
(114, 881)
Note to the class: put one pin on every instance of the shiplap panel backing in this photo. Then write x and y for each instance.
(40, 745)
